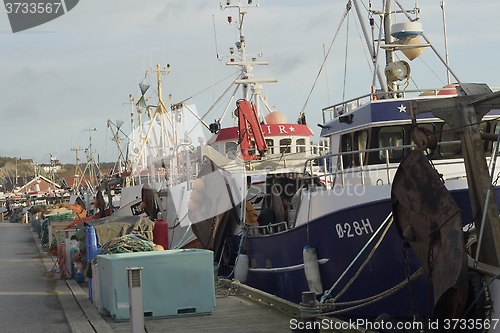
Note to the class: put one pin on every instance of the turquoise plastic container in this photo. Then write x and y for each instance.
(175, 282)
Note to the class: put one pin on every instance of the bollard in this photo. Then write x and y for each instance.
(309, 306)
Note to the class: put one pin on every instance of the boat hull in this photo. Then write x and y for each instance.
(276, 259)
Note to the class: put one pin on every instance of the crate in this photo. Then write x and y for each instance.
(175, 282)
(55, 226)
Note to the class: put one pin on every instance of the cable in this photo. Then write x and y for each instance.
(346, 11)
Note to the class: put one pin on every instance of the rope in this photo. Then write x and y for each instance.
(245, 234)
(182, 238)
(123, 244)
(127, 244)
(179, 222)
(479, 294)
(365, 262)
(328, 292)
(370, 300)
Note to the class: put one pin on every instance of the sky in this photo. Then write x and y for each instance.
(68, 76)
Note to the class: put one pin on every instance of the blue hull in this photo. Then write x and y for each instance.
(336, 237)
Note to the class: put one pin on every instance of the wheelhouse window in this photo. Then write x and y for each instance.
(285, 145)
(270, 146)
(300, 145)
(360, 143)
(346, 146)
(231, 148)
(392, 136)
(451, 149)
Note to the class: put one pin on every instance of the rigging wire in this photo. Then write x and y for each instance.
(344, 15)
(216, 83)
(345, 61)
(215, 36)
(368, 59)
(420, 58)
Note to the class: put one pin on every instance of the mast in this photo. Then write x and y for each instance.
(245, 66)
(78, 170)
(161, 111)
(389, 53)
(377, 69)
(445, 44)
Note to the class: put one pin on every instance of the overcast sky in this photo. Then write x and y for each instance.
(72, 74)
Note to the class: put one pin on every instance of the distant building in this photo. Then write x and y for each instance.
(72, 182)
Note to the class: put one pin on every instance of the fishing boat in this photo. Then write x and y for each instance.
(337, 240)
(169, 152)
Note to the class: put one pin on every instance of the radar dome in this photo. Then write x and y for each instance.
(276, 117)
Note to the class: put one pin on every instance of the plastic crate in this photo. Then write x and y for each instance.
(175, 282)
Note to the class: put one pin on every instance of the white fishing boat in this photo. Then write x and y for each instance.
(168, 152)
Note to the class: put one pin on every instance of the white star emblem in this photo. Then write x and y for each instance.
(402, 108)
(292, 129)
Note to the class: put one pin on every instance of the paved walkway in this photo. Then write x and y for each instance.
(33, 303)
(29, 302)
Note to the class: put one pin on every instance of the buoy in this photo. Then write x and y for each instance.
(143, 205)
(199, 184)
(193, 205)
(159, 247)
(311, 269)
(241, 268)
(196, 195)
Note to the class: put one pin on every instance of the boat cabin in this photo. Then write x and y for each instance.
(369, 129)
(280, 138)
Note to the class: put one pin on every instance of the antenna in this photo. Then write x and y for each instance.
(215, 36)
(445, 44)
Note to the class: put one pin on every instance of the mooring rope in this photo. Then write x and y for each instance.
(328, 292)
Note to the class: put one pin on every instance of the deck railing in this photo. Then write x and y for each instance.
(331, 171)
(344, 107)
